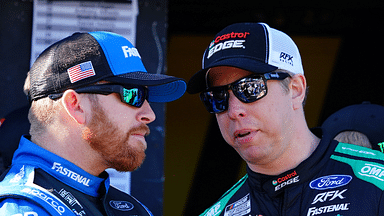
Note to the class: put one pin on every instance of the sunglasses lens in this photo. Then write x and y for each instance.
(249, 90)
(215, 101)
(134, 96)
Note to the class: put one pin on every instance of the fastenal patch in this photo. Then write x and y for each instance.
(239, 208)
(71, 174)
(328, 209)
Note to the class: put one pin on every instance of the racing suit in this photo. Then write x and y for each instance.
(338, 179)
(42, 183)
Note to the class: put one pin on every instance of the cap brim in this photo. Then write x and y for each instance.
(162, 88)
(197, 82)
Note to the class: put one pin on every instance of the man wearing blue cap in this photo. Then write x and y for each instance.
(89, 111)
(252, 79)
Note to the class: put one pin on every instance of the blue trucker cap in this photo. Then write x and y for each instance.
(85, 58)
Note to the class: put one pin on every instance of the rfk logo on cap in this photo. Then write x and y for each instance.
(284, 57)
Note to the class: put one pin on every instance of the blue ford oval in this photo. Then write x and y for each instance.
(331, 181)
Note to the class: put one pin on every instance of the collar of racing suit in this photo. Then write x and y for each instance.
(275, 185)
(29, 153)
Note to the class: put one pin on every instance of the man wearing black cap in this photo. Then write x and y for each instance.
(253, 81)
(360, 124)
(89, 97)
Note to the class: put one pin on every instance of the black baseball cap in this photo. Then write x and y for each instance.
(254, 47)
(365, 118)
(85, 58)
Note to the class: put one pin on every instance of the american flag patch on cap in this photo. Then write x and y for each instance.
(81, 71)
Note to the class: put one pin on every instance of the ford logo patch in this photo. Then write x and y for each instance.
(331, 181)
(121, 205)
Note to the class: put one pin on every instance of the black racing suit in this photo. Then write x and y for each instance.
(51, 185)
(338, 179)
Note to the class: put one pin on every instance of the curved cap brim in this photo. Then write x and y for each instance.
(197, 82)
(162, 88)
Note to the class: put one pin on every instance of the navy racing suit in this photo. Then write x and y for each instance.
(42, 183)
(338, 179)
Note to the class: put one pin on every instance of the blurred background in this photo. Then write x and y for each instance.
(340, 43)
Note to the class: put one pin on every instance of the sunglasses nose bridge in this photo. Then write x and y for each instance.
(236, 108)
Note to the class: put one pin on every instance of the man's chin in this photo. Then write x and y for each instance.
(128, 165)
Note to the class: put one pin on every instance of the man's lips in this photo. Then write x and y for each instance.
(241, 133)
(142, 130)
(143, 134)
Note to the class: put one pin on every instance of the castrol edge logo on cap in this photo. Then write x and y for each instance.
(221, 42)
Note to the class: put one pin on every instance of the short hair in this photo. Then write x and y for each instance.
(43, 112)
(353, 137)
(285, 83)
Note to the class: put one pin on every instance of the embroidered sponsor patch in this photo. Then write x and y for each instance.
(329, 182)
(71, 174)
(329, 196)
(121, 205)
(327, 209)
(58, 207)
(239, 208)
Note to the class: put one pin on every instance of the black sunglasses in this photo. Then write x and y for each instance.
(132, 95)
(247, 89)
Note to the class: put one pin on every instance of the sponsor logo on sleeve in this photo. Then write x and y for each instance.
(329, 182)
(60, 209)
(372, 171)
(359, 151)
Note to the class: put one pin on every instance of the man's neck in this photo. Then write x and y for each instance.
(77, 151)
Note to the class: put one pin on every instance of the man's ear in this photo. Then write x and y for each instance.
(74, 106)
(298, 88)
